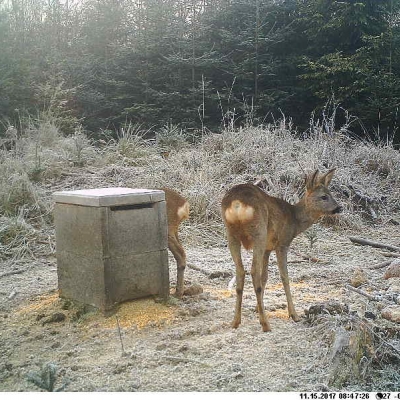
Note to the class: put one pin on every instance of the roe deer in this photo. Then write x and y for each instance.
(177, 211)
(264, 223)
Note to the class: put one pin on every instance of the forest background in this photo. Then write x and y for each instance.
(200, 64)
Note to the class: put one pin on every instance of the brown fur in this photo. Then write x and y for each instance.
(264, 223)
(177, 211)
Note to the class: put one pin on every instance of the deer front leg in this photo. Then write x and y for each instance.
(234, 247)
(281, 256)
(259, 277)
(180, 257)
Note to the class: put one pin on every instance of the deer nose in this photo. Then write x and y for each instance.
(337, 210)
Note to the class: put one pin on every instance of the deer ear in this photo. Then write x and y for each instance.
(312, 180)
(326, 178)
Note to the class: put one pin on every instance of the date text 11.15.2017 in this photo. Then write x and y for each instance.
(338, 396)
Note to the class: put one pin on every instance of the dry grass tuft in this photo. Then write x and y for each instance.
(17, 238)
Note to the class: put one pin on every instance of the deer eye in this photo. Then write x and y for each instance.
(324, 197)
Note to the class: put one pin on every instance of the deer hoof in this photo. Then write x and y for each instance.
(266, 328)
(295, 317)
(235, 324)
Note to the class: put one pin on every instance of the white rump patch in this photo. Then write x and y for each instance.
(183, 211)
(239, 212)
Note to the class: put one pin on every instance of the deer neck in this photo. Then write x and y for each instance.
(304, 216)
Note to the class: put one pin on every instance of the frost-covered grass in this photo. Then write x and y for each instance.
(42, 160)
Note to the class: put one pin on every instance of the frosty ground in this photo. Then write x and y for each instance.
(188, 344)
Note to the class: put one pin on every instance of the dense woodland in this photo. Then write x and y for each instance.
(200, 64)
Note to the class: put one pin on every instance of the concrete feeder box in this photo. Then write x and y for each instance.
(111, 245)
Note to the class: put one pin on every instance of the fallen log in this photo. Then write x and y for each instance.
(366, 242)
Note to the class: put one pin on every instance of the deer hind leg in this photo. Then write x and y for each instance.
(259, 277)
(264, 274)
(235, 249)
(180, 256)
(281, 255)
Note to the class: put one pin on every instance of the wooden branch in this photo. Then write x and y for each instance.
(18, 271)
(220, 274)
(366, 242)
(389, 254)
(381, 265)
(211, 275)
(307, 257)
(120, 335)
(203, 271)
(184, 360)
(368, 296)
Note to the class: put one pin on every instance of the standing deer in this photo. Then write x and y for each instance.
(264, 223)
(177, 211)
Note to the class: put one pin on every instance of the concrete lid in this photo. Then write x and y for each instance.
(106, 197)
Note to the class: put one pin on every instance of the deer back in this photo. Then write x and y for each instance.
(250, 215)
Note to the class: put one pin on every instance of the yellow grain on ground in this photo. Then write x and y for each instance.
(144, 312)
(321, 295)
(220, 293)
(281, 314)
(139, 313)
(41, 303)
(279, 286)
(136, 313)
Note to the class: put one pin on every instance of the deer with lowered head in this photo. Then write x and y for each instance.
(264, 223)
(177, 211)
